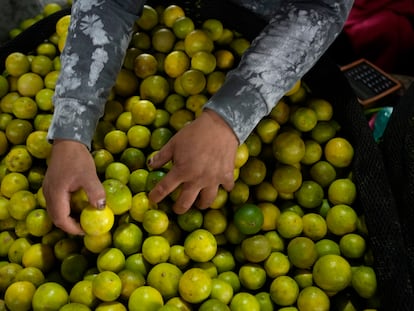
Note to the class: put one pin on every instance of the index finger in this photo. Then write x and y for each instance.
(165, 186)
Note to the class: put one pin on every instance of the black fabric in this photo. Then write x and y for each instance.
(398, 149)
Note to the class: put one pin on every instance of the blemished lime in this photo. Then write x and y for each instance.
(195, 285)
(145, 65)
(289, 224)
(165, 278)
(200, 245)
(107, 286)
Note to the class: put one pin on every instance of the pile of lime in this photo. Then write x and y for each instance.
(47, 10)
(287, 237)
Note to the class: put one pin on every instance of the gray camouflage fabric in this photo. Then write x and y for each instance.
(297, 34)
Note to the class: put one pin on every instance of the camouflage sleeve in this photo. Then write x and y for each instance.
(295, 38)
(96, 44)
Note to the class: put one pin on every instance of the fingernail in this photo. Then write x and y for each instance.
(101, 204)
(150, 161)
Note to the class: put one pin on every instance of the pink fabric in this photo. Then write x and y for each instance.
(381, 30)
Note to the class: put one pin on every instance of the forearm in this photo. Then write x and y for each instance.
(295, 38)
(98, 37)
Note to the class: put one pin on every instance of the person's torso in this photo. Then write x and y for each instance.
(262, 8)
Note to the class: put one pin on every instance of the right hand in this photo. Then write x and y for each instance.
(70, 168)
(203, 154)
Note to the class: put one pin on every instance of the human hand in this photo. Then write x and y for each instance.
(203, 155)
(71, 167)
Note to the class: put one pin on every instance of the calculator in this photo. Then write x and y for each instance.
(369, 82)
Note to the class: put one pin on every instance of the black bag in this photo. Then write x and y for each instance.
(384, 179)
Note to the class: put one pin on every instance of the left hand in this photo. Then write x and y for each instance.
(203, 155)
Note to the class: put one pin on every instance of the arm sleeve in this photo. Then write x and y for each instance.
(295, 38)
(98, 37)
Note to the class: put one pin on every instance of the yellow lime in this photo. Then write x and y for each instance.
(200, 245)
(310, 194)
(352, 245)
(145, 65)
(41, 65)
(128, 238)
(116, 141)
(118, 196)
(163, 39)
(28, 84)
(323, 173)
(96, 221)
(342, 191)
(171, 13)
(339, 152)
(16, 64)
(176, 63)
(110, 259)
(256, 248)
(165, 278)
(332, 273)
(195, 285)
(145, 298)
(40, 256)
(107, 286)
(156, 249)
(198, 40)
(341, 219)
(148, 19)
(289, 224)
(225, 59)
(50, 294)
(364, 281)
(327, 246)
(154, 88)
(24, 107)
(244, 301)
(311, 298)
(288, 148)
(97, 243)
(38, 222)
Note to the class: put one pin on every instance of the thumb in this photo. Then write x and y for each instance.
(95, 192)
(161, 157)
